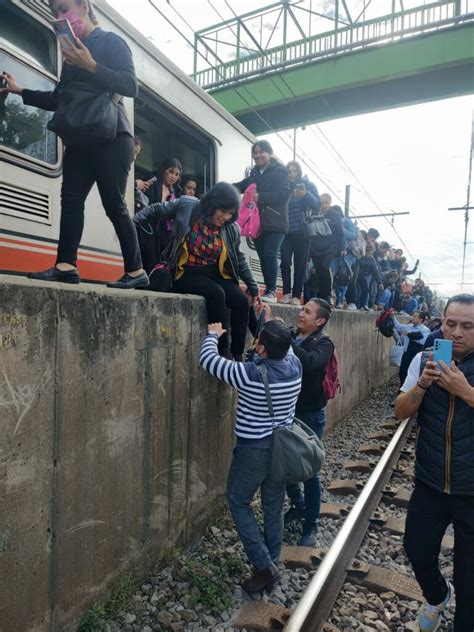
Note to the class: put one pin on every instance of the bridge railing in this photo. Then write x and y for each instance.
(380, 30)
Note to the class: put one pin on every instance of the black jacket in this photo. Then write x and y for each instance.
(184, 211)
(445, 446)
(332, 244)
(115, 73)
(273, 188)
(314, 354)
(368, 265)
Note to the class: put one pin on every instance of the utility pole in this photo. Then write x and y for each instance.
(347, 200)
(294, 143)
(466, 208)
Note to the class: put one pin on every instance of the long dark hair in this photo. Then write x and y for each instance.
(265, 146)
(171, 163)
(223, 196)
(297, 166)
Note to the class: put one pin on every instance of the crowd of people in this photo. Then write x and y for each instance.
(191, 244)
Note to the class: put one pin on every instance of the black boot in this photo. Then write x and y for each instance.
(262, 579)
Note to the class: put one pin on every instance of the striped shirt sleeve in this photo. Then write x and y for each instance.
(228, 371)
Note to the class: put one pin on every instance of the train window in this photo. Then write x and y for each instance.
(27, 38)
(23, 127)
(166, 135)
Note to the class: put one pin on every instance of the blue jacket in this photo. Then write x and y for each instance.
(298, 206)
(445, 446)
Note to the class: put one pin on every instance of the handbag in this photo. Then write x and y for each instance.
(319, 226)
(308, 225)
(85, 116)
(249, 215)
(297, 452)
(161, 278)
(396, 353)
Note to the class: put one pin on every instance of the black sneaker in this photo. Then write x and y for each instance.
(128, 282)
(56, 275)
(262, 579)
(293, 514)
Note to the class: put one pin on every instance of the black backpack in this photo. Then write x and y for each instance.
(385, 324)
(343, 274)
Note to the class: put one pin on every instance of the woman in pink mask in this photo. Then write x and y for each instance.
(102, 62)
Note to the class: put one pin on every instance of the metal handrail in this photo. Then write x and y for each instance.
(387, 28)
(302, 617)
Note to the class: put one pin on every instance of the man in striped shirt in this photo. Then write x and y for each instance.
(250, 466)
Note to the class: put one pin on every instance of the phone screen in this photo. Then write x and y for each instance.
(301, 187)
(64, 33)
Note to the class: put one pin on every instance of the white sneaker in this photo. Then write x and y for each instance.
(295, 301)
(269, 297)
(429, 617)
(351, 307)
(285, 299)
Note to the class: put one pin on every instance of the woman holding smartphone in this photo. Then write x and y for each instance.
(304, 198)
(102, 62)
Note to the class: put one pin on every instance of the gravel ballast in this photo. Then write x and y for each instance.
(200, 589)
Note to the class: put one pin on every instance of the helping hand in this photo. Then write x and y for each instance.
(142, 185)
(10, 84)
(216, 328)
(79, 56)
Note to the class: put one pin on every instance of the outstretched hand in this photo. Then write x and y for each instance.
(9, 84)
(216, 328)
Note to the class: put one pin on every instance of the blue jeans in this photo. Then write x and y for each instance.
(311, 500)
(386, 298)
(268, 249)
(249, 471)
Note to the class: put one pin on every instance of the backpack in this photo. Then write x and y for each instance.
(331, 382)
(343, 275)
(357, 246)
(249, 215)
(385, 324)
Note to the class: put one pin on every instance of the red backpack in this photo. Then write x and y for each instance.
(331, 382)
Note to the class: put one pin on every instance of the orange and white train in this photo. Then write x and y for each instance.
(172, 116)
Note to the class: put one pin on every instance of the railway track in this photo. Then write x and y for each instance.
(341, 562)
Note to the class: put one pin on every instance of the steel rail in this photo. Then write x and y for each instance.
(318, 600)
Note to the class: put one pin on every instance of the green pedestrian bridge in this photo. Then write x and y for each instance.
(409, 55)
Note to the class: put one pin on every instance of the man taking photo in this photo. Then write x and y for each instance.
(443, 397)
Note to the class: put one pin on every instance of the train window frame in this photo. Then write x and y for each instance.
(13, 156)
(180, 120)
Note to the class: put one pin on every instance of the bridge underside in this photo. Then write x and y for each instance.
(426, 68)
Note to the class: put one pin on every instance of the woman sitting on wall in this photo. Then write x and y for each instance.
(205, 258)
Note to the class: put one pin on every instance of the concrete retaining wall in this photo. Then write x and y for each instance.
(114, 445)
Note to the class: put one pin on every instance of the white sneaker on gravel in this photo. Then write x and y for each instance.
(429, 617)
(285, 299)
(269, 297)
(351, 307)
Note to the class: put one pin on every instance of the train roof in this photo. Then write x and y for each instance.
(103, 7)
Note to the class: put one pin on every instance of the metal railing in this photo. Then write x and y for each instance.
(385, 29)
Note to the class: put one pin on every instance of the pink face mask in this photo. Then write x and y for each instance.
(78, 25)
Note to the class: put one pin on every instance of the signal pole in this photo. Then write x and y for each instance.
(466, 208)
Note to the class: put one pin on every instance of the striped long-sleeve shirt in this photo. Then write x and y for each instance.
(253, 419)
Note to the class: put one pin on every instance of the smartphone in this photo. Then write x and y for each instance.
(301, 187)
(152, 180)
(64, 33)
(443, 350)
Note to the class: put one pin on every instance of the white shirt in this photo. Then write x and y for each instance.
(413, 374)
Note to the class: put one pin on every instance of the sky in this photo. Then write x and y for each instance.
(411, 159)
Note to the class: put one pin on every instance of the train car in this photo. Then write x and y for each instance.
(172, 116)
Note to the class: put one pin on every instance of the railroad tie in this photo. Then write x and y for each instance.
(261, 616)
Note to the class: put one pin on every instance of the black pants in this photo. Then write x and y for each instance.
(352, 294)
(107, 165)
(221, 295)
(322, 265)
(429, 514)
(295, 246)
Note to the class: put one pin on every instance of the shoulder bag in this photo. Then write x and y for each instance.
(85, 116)
(297, 452)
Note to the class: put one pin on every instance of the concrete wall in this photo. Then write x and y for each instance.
(114, 445)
